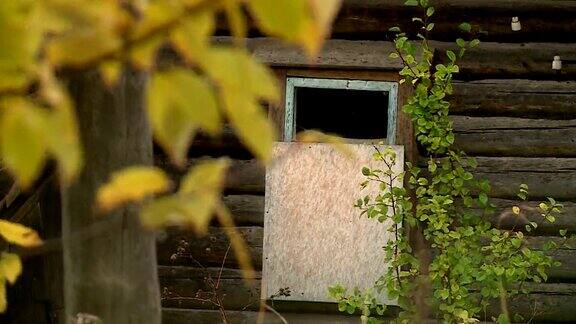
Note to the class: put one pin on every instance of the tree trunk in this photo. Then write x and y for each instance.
(110, 269)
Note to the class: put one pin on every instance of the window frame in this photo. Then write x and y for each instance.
(290, 109)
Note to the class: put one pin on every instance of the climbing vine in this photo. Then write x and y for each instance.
(474, 264)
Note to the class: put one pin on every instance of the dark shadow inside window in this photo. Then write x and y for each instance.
(357, 114)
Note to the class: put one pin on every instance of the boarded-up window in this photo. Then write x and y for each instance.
(313, 236)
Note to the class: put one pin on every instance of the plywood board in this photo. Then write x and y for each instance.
(313, 236)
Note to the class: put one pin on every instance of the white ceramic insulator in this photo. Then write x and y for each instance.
(557, 63)
(516, 26)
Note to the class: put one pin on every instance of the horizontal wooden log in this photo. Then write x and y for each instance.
(186, 316)
(246, 209)
(505, 136)
(489, 60)
(546, 302)
(181, 247)
(542, 21)
(249, 209)
(245, 176)
(504, 218)
(546, 177)
(335, 54)
(514, 98)
(503, 60)
(186, 249)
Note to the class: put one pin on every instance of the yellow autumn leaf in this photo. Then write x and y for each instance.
(236, 18)
(516, 210)
(83, 47)
(324, 12)
(63, 140)
(305, 22)
(192, 37)
(235, 70)
(3, 302)
(21, 33)
(143, 55)
(287, 19)
(10, 266)
(194, 204)
(314, 136)
(250, 123)
(19, 234)
(22, 145)
(111, 72)
(206, 176)
(179, 103)
(131, 184)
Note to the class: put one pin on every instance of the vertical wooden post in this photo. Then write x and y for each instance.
(109, 260)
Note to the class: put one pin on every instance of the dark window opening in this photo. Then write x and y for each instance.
(358, 114)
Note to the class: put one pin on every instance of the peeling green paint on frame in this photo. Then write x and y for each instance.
(298, 82)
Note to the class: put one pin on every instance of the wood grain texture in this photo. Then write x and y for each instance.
(112, 272)
(546, 177)
(514, 98)
(542, 21)
(489, 60)
(546, 302)
(209, 251)
(506, 136)
(180, 316)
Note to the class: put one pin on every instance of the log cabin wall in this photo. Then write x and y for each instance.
(510, 110)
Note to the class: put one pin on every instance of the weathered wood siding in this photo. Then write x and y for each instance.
(509, 108)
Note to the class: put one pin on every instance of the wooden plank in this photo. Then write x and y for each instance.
(489, 60)
(503, 60)
(546, 177)
(506, 219)
(335, 54)
(514, 98)
(186, 249)
(181, 247)
(542, 21)
(505, 136)
(246, 209)
(546, 301)
(181, 316)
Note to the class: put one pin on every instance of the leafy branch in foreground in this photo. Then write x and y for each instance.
(474, 264)
(45, 42)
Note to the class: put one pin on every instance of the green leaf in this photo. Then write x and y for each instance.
(22, 143)
(411, 3)
(475, 42)
(466, 27)
(131, 184)
(461, 42)
(430, 11)
(451, 55)
(179, 103)
(483, 198)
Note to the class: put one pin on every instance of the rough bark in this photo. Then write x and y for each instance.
(109, 260)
